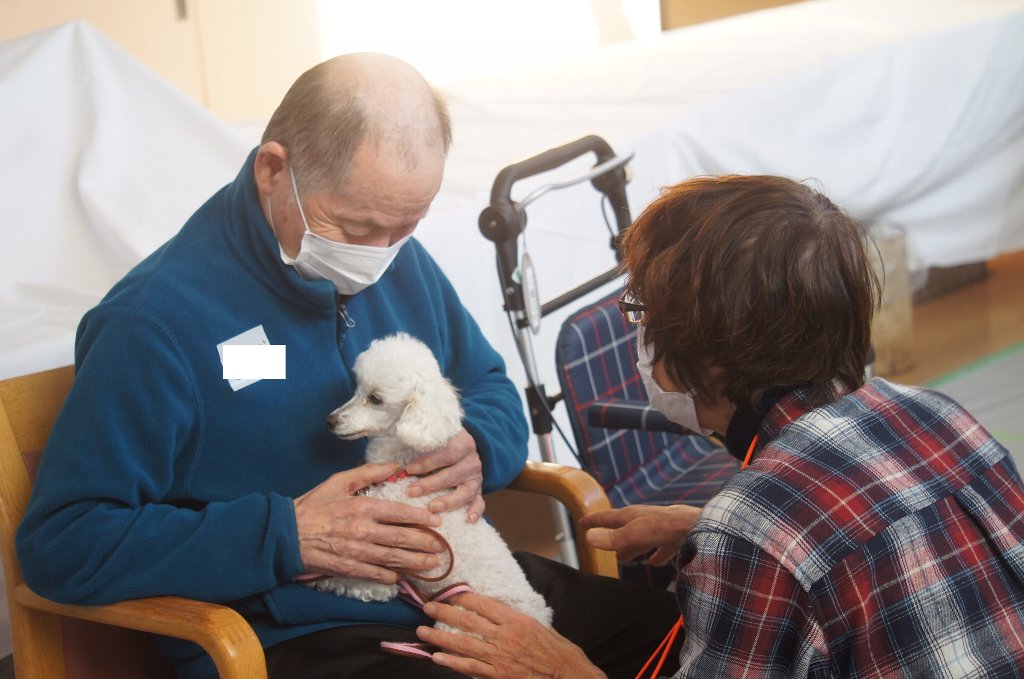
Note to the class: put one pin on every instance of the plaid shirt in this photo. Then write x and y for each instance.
(881, 535)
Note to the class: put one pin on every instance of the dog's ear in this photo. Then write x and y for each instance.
(432, 417)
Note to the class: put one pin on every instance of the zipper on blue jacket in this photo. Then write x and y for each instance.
(344, 321)
(348, 320)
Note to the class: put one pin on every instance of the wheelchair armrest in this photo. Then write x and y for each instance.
(628, 414)
(221, 631)
(581, 494)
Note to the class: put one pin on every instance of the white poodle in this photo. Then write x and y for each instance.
(406, 407)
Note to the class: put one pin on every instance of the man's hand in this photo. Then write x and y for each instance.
(341, 533)
(637, 529)
(508, 644)
(456, 466)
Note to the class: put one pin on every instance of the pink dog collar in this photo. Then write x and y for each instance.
(398, 476)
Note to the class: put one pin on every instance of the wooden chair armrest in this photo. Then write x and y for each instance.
(221, 631)
(581, 494)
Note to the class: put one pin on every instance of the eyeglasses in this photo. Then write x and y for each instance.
(631, 310)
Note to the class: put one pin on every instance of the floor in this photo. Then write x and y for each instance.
(968, 324)
(949, 332)
(991, 389)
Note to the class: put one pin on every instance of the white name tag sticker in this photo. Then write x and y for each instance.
(250, 357)
(254, 362)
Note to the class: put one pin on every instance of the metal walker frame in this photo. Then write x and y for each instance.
(502, 222)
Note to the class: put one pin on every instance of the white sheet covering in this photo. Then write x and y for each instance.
(911, 111)
(104, 161)
(906, 110)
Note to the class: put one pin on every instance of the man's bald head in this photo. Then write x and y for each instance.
(356, 99)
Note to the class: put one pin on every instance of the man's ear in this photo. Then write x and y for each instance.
(271, 161)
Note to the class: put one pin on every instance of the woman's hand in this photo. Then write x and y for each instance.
(457, 467)
(508, 644)
(342, 533)
(637, 529)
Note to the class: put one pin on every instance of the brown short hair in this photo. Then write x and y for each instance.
(761, 277)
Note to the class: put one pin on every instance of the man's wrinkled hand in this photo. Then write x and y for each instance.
(454, 469)
(343, 533)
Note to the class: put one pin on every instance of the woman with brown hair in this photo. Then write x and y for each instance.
(875, 529)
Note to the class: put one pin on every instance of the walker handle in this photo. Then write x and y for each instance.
(503, 220)
(548, 160)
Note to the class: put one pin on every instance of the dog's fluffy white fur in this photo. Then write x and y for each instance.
(406, 407)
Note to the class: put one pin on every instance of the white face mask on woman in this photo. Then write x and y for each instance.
(676, 406)
(352, 268)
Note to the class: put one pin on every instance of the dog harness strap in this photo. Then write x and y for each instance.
(409, 649)
(310, 577)
(447, 548)
(410, 594)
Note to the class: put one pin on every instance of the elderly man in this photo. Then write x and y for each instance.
(161, 477)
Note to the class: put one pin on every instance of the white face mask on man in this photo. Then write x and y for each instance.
(676, 406)
(352, 268)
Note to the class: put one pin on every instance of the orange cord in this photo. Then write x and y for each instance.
(750, 451)
(666, 644)
(663, 648)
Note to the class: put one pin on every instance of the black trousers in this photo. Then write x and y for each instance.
(617, 624)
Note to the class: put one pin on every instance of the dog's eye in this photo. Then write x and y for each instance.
(375, 399)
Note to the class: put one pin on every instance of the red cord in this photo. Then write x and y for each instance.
(663, 648)
(750, 451)
(666, 644)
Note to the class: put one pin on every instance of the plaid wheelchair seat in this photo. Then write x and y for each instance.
(595, 356)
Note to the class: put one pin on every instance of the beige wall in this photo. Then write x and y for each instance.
(678, 13)
(237, 57)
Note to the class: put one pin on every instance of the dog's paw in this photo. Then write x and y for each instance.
(372, 592)
(330, 585)
(455, 630)
(357, 589)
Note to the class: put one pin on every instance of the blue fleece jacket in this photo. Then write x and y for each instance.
(160, 479)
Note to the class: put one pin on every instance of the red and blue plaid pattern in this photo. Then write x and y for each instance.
(596, 359)
(879, 536)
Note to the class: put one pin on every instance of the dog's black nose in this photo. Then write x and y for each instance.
(329, 422)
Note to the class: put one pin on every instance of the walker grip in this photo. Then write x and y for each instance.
(504, 219)
(548, 160)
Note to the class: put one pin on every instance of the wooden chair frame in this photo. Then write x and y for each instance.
(28, 408)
